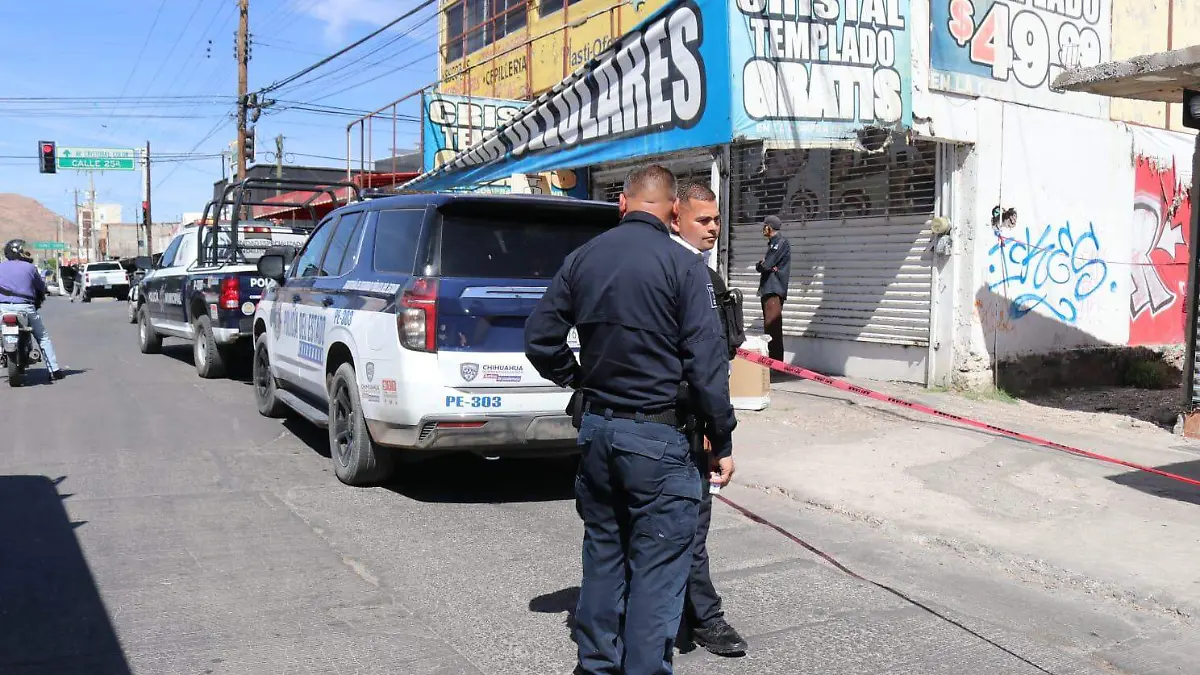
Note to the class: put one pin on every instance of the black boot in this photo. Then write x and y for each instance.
(719, 638)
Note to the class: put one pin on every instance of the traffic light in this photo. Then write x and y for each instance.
(46, 153)
(248, 148)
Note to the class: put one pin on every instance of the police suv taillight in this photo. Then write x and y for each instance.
(229, 293)
(416, 315)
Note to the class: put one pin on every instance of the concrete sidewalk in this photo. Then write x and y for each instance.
(1039, 516)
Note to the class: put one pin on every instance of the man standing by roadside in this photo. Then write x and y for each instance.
(697, 227)
(644, 311)
(77, 287)
(775, 269)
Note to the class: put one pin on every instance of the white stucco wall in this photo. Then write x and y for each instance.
(1058, 279)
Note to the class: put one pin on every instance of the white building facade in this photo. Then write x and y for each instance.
(947, 210)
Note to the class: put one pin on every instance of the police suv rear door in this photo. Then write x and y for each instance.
(496, 259)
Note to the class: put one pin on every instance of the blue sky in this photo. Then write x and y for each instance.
(160, 48)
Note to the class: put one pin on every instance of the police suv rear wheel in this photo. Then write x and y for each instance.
(264, 381)
(148, 340)
(210, 361)
(357, 460)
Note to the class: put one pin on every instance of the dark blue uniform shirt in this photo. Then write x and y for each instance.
(779, 256)
(644, 307)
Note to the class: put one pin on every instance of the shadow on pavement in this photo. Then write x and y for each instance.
(52, 619)
(239, 370)
(1161, 486)
(467, 479)
(1084, 373)
(312, 435)
(558, 602)
(38, 376)
(72, 372)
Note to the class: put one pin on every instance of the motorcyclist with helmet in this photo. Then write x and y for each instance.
(22, 289)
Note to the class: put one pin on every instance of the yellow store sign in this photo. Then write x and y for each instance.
(517, 49)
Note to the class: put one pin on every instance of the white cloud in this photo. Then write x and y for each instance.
(339, 15)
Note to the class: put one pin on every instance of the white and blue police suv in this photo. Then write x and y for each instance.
(399, 326)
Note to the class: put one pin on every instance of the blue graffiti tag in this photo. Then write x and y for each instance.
(1058, 271)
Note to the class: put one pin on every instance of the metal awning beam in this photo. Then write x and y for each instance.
(1158, 77)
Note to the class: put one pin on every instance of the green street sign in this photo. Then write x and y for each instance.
(49, 246)
(97, 159)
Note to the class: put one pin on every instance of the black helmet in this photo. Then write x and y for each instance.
(15, 250)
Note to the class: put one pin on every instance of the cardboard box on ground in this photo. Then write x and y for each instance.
(750, 383)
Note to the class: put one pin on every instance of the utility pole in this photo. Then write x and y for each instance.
(146, 203)
(91, 238)
(279, 161)
(78, 226)
(243, 59)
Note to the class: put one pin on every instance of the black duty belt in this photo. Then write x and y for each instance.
(667, 417)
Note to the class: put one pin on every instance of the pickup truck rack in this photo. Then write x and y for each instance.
(207, 292)
(239, 195)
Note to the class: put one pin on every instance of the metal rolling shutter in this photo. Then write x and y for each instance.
(861, 264)
(609, 180)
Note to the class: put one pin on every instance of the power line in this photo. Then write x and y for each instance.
(385, 45)
(365, 82)
(216, 74)
(297, 12)
(85, 99)
(142, 51)
(292, 78)
(210, 134)
(67, 114)
(175, 44)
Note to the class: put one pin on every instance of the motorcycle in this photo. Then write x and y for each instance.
(18, 349)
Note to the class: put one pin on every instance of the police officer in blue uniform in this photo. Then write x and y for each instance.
(644, 309)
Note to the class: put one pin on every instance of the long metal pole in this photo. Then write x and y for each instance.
(1189, 368)
(149, 217)
(91, 238)
(78, 227)
(243, 60)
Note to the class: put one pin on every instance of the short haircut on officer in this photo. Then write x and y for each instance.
(698, 191)
(650, 177)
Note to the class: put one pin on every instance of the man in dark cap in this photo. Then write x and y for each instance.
(775, 269)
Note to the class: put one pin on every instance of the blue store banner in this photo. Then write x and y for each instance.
(700, 73)
(1011, 50)
(818, 71)
(664, 86)
(452, 123)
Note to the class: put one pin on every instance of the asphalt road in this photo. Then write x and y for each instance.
(153, 522)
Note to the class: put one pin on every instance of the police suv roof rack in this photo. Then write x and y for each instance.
(241, 195)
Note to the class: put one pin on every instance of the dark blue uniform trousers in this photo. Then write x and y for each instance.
(638, 492)
(703, 603)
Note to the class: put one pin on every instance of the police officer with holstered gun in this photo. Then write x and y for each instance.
(644, 308)
(696, 227)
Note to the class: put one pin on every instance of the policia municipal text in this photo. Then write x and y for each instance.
(644, 308)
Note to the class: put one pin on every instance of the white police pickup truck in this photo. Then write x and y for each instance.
(400, 327)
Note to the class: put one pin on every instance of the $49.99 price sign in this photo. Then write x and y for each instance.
(1024, 43)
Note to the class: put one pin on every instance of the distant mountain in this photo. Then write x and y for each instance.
(25, 218)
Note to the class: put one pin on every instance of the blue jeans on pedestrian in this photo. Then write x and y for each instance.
(39, 331)
(638, 492)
